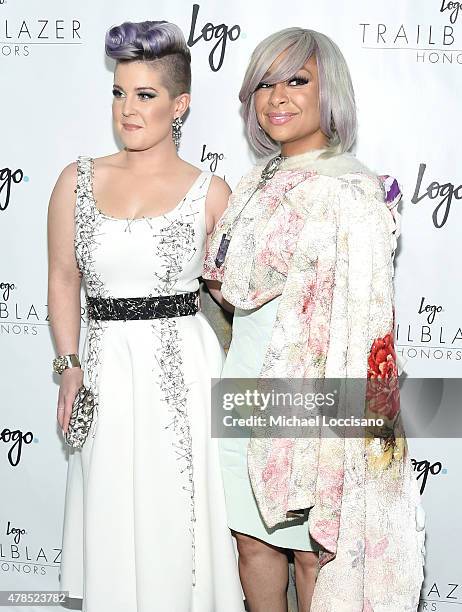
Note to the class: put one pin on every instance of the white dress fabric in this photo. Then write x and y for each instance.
(145, 521)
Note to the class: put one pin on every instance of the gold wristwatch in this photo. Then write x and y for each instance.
(62, 362)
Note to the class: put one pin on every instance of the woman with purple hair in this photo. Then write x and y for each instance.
(145, 522)
(304, 252)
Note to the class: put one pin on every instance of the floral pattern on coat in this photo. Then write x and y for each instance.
(322, 235)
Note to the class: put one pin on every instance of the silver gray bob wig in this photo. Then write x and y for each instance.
(336, 95)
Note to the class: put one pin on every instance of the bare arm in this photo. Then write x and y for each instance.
(216, 203)
(64, 282)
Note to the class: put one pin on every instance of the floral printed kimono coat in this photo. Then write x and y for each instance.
(322, 234)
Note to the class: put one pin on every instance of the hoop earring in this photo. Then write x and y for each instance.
(176, 131)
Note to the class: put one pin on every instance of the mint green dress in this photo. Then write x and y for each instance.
(251, 335)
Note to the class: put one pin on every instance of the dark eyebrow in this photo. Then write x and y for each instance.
(136, 88)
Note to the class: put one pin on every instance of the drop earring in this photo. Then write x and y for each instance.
(176, 131)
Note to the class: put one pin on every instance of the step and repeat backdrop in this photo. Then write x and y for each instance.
(405, 58)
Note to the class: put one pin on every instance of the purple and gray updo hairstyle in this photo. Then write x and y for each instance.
(336, 95)
(159, 42)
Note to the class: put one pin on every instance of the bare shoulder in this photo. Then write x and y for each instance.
(67, 180)
(63, 197)
(219, 187)
(108, 161)
(217, 196)
(216, 202)
(190, 169)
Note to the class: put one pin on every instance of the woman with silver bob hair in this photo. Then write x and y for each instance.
(145, 520)
(305, 253)
(336, 96)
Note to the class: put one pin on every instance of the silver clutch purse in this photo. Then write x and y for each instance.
(83, 409)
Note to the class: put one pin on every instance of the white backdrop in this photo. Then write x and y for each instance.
(406, 61)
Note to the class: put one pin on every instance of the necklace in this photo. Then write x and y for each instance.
(267, 174)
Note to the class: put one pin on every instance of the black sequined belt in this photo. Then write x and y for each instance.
(131, 309)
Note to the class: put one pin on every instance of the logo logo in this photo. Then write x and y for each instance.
(7, 178)
(431, 310)
(5, 289)
(424, 469)
(17, 556)
(431, 339)
(221, 33)
(435, 191)
(453, 8)
(15, 531)
(213, 158)
(16, 439)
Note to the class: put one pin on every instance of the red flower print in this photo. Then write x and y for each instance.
(382, 358)
(382, 392)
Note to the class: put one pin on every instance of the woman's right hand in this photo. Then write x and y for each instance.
(64, 283)
(71, 381)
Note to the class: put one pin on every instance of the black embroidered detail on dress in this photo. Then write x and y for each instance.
(87, 225)
(175, 248)
(130, 309)
(175, 393)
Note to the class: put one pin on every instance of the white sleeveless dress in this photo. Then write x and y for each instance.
(145, 521)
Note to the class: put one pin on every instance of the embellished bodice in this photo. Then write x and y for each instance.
(146, 256)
